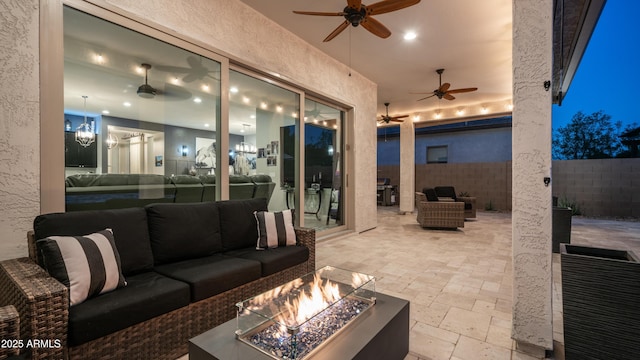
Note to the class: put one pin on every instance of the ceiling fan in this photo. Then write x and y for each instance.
(443, 90)
(196, 70)
(356, 13)
(171, 92)
(385, 119)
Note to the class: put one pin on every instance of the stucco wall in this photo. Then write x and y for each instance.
(531, 200)
(19, 124)
(486, 145)
(227, 26)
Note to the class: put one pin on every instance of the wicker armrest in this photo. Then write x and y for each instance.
(41, 301)
(9, 331)
(307, 237)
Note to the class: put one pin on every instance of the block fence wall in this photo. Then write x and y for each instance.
(603, 187)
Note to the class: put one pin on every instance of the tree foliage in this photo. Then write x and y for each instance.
(587, 137)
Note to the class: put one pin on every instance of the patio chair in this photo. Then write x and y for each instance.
(433, 213)
(9, 330)
(448, 193)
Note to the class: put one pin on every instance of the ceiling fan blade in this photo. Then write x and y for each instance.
(396, 120)
(375, 27)
(399, 117)
(389, 6)
(318, 13)
(176, 69)
(427, 97)
(420, 93)
(444, 87)
(354, 4)
(448, 96)
(190, 77)
(454, 91)
(337, 31)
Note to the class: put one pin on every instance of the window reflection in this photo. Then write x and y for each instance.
(153, 109)
(258, 110)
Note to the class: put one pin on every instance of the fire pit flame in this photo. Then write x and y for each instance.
(292, 320)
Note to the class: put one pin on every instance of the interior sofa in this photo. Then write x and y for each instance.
(117, 191)
(186, 265)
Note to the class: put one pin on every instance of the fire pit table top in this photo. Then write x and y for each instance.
(382, 332)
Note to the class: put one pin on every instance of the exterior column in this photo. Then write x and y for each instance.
(407, 166)
(531, 148)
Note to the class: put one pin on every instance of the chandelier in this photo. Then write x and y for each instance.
(84, 133)
(112, 141)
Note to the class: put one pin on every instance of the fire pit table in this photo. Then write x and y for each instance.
(328, 314)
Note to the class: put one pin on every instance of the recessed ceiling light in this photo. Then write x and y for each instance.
(206, 125)
(246, 100)
(410, 35)
(127, 104)
(233, 89)
(205, 87)
(197, 100)
(106, 112)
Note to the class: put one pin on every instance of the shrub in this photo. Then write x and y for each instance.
(572, 204)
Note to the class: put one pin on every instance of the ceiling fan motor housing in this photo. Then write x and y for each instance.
(355, 16)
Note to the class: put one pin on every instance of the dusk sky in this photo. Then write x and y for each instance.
(608, 77)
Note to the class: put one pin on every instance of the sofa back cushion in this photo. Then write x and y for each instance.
(130, 232)
(446, 191)
(430, 194)
(183, 231)
(238, 225)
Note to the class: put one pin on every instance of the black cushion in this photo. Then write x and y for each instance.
(212, 275)
(146, 296)
(446, 191)
(430, 194)
(238, 224)
(183, 231)
(129, 227)
(276, 259)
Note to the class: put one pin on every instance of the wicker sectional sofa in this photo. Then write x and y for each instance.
(186, 265)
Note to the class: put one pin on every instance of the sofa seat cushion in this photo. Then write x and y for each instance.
(212, 275)
(183, 231)
(146, 296)
(129, 227)
(274, 260)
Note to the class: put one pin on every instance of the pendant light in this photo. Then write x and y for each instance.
(84, 133)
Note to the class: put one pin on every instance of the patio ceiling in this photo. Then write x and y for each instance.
(470, 39)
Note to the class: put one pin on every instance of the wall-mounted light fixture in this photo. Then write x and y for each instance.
(184, 150)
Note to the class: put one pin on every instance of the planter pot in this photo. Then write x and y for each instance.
(561, 225)
(601, 303)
